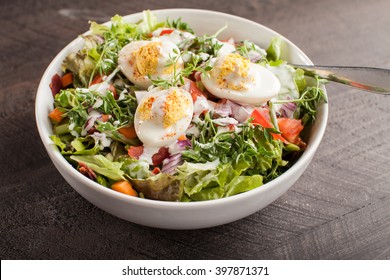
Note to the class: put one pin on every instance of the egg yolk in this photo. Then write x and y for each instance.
(147, 58)
(174, 108)
(146, 109)
(232, 72)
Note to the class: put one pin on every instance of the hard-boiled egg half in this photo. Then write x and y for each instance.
(140, 59)
(163, 115)
(236, 78)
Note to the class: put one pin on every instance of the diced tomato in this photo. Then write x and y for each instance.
(261, 117)
(97, 80)
(290, 129)
(162, 154)
(156, 171)
(166, 32)
(135, 151)
(113, 90)
(195, 91)
(232, 127)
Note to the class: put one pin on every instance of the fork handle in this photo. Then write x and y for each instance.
(365, 78)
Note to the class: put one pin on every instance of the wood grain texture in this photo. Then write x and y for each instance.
(338, 209)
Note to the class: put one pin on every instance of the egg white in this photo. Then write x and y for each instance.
(152, 131)
(258, 86)
(127, 61)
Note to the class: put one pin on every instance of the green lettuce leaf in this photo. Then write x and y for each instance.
(206, 181)
(300, 80)
(135, 169)
(100, 164)
(242, 184)
(274, 49)
(80, 63)
(149, 23)
(162, 186)
(57, 140)
(77, 146)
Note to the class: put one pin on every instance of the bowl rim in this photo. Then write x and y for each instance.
(59, 159)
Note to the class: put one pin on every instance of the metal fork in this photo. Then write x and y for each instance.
(371, 79)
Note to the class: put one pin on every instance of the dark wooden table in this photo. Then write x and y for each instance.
(339, 208)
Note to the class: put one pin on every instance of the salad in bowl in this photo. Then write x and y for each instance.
(154, 110)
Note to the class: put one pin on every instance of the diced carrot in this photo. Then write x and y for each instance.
(124, 187)
(67, 80)
(128, 131)
(182, 137)
(105, 117)
(56, 115)
(135, 151)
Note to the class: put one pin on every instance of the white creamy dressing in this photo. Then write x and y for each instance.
(176, 36)
(167, 52)
(288, 89)
(101, 88)
(93, 116)
(139, 169)
(226, 47)
(285, 74)
(202, 104)
(175, 148)
(193, 130)
(102, 139)
(122, 94)
(98, 103)
(147, 154)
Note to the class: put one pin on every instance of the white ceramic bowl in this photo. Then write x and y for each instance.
(177, 215)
